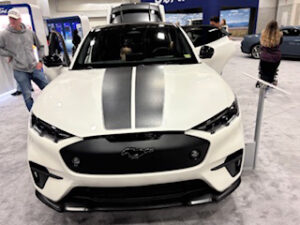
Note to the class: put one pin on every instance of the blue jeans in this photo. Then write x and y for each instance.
(19, 88)
(23, 79)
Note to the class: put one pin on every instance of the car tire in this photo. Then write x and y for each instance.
(255, 51)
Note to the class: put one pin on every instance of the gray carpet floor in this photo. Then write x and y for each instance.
(268, 195)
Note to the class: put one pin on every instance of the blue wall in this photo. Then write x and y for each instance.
(209, 8)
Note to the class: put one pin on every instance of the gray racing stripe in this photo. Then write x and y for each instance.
(149, 96)
(116, 98)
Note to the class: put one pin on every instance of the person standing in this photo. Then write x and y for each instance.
(215, 21)
(224, 25)
(270, 54)
(16, 43)
(76, 41)
(54, 46)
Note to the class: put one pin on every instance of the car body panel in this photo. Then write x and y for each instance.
(61, 103)
(224, 48)
(216, 38)
(223, 142)
(90, 103)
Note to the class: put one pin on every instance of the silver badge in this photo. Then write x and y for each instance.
(136, 153)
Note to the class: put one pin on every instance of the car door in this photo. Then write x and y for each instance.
(55, 63)
(215, 38)
(291, 42)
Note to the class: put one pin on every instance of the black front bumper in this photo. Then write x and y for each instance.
(192, 192)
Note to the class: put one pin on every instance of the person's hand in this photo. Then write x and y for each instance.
(9, 59)
(39, 66)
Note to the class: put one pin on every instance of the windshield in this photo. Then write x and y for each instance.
(133, 45)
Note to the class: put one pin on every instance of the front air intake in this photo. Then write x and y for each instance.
(40, 174)
(233, 163)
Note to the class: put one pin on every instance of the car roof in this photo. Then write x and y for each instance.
(290, 27)
(133, 24)
(135, 6)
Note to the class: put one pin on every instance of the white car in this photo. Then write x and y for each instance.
(214, 37)
(137, 122)
(136, 12)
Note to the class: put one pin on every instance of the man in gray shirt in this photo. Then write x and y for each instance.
(16, 43)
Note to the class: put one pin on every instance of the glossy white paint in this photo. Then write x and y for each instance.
(224, 142)
(192, 94)
(224, 48)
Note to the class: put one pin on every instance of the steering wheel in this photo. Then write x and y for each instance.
(160, 51)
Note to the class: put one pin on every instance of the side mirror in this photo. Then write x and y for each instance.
(52, 61)
(206, 52)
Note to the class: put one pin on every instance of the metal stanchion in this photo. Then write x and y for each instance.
(259, 115)
(252, 147)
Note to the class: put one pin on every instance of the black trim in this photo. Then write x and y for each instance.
(48, 202)
(48, 174)
(41, 174)
(232, 163)
(45, 129)
(138, 198)
(149, 94)
(135, 153)
(116, 98)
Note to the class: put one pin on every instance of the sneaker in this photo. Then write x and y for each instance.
(16, 93)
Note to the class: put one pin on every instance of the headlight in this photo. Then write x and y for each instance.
(45, 129)
(223, 118)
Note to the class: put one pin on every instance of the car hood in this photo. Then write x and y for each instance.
(133, 99)
(252, 36)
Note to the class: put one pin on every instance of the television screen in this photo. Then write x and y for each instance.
(236, 17)
(183, 18)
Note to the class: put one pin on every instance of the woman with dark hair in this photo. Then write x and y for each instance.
(270, 54)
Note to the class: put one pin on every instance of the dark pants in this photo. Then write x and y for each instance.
(268, 70)
(24, 78)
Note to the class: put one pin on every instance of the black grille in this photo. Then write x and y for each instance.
(140, 153)
(172, 193)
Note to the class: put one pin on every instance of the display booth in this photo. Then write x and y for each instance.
(66, 26)
(33, 20)
(239, 14)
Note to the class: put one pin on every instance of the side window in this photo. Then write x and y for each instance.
(290, 32)
(198, 37)
(285, 32)
(214, 34)
(204, 35)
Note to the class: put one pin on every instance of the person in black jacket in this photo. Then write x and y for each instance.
(54, 46)
(76, 40)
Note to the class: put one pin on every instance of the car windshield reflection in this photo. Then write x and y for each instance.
(123, 45)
